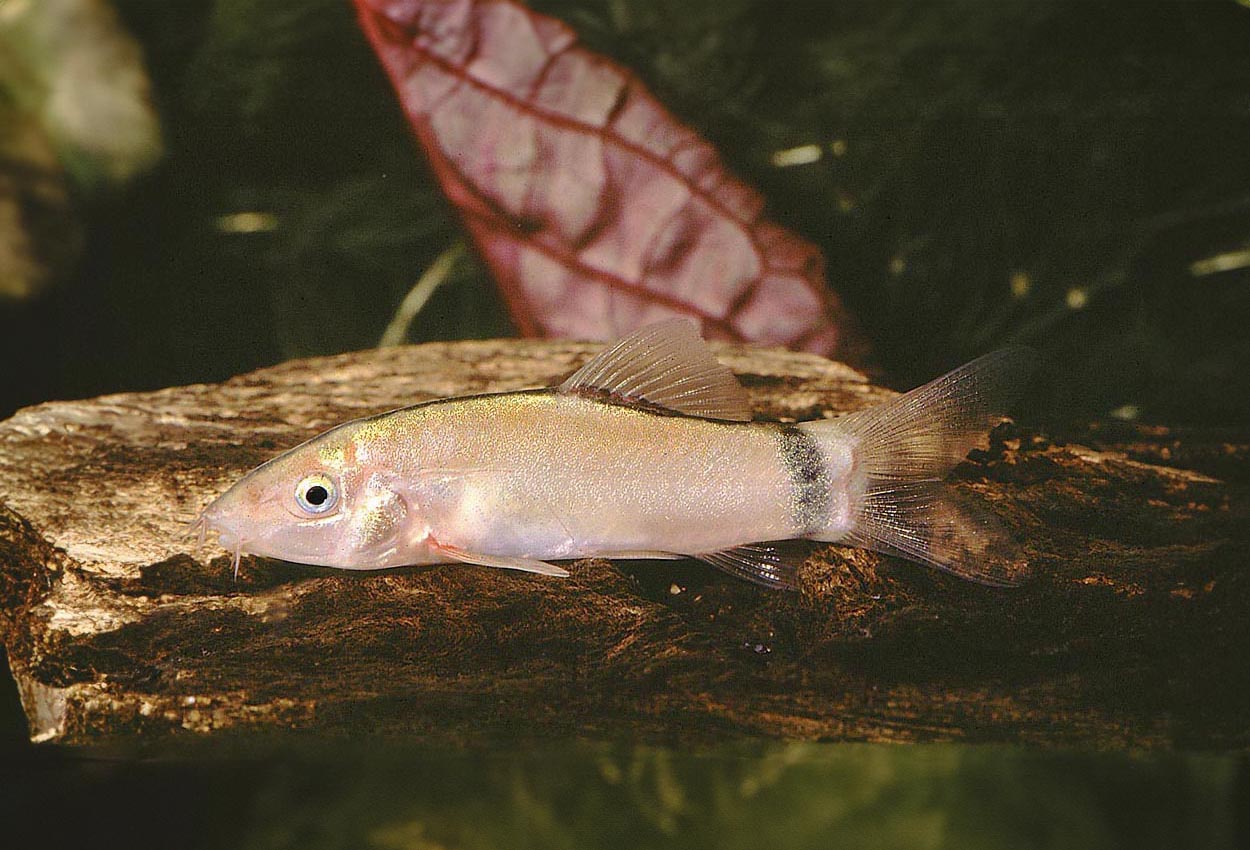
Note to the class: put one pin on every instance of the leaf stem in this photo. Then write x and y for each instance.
(435, 276)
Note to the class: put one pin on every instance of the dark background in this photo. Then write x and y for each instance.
(1091, 152)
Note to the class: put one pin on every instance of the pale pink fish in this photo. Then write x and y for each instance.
(647, 451)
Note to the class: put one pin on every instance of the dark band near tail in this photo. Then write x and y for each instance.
(811, 488)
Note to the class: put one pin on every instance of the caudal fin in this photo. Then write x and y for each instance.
(902, 451)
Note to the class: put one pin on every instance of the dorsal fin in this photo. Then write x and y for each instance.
(669, 365)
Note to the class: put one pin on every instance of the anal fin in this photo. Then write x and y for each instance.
(774, 565)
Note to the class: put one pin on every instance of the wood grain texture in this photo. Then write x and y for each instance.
(1133, 633)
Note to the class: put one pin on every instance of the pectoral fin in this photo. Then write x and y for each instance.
(503, 562)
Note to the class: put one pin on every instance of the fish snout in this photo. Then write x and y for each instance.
(229, 535)
(219, 522)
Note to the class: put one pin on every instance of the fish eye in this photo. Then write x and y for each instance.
(316, 494)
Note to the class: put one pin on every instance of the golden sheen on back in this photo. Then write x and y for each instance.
(647, 451)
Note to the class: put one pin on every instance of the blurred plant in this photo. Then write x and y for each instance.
(791, 795)
(436, 275)
(75, 118)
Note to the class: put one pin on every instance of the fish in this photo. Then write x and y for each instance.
(649, 450)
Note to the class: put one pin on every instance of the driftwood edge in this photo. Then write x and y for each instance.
(1133, 634)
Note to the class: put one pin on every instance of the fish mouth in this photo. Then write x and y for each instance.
(229, 538)
(196, 529)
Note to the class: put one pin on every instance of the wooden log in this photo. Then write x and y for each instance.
(1133, 633)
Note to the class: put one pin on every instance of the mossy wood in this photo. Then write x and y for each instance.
(1132, 634)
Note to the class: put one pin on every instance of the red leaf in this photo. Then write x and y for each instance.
(596, 210)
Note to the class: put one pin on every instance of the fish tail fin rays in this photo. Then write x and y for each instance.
(926, 432)
(927, 522)
(903, 449)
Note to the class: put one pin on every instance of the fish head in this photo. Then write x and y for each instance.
(325, 502)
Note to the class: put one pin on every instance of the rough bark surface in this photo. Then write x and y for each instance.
(1133, 633)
